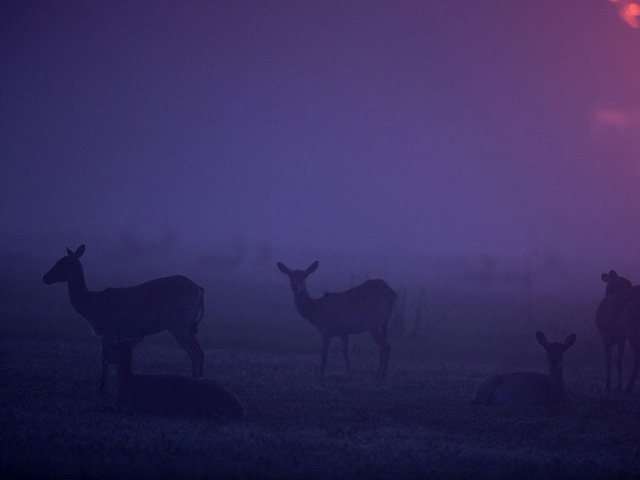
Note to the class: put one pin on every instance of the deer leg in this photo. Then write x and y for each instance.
(385, 351)
(103, 377)
(607, 361)
(200, 355)
(190, 345)
(107, 350)
(345, 351)
(634, 372)
(621, 346)
(326, 341)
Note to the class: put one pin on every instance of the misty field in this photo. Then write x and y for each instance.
(418, 423)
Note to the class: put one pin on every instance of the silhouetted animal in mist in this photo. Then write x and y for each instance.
(631, 326)
(618, 319)
(175, 304)
(169, 394)
(528, 388)
(609, 322)
(367, 307)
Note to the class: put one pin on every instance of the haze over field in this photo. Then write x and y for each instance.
(482, 157)
(493, 127)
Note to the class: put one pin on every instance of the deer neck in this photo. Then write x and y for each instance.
(304, 304)
(556, 385)
(79, 293)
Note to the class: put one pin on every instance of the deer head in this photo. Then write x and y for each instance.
(65, 268)
(298, 278)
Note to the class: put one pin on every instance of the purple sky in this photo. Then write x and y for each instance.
(425, 126)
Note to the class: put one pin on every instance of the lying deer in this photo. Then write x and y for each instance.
(367, 307)
(169, 394)
(175, 304)
(528, 388)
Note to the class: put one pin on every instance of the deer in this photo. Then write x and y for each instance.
(367, 307)
(609, 323)
(620, 313)
(631, 328)
(168, 395)
(175, 304)
(529, 388)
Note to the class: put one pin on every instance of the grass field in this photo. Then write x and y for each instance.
(417, 424)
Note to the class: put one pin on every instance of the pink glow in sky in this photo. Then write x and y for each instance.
(498, 126)
(629, 11)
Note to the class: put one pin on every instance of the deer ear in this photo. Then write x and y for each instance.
(78, 253)
(312, 268)
(69, 252)
(542, 339)
(605, 277)
(283, 268)
(571, 339)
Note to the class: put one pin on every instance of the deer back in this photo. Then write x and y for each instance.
(173, 395)
(144, 309)
(518, 388)
(356, 310)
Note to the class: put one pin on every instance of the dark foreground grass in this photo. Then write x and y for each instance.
(418, 424)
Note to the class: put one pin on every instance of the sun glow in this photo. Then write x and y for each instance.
(611, 118)
(629, 11)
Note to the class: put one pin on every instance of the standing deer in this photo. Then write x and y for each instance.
(631, 326)
(609, 323)
(621, 314)
(528, 388)
(169, 394)
(175, 304)
(367, 307)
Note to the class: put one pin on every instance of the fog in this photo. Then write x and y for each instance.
(395, 130)
(480, 156)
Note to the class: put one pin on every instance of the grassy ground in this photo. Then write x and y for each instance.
(419, 423)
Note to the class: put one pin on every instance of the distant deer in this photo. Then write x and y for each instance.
(528, 388)
(367, 307)
(609, 322)
(169, 394)
(175, 304)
